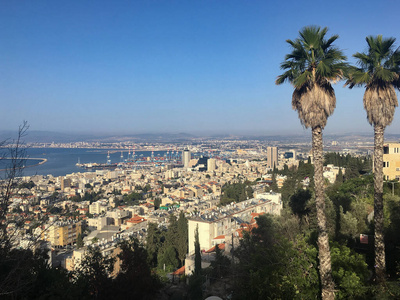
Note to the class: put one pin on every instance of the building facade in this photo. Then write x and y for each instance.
(391, 161)
(226, 220)
(62, 233)
(272, 157)
(211, 165)
(186, 156)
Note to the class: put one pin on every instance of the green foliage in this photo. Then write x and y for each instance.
(157, 203)
(348, 224)
(355, 188)
(154, 242)
(377, 67)
(76, 198)
(274, 185)
(144, 189)
(391, 187)
(290, 186)
(298, 202)
(132, 198)
(17, 271)
(27, 275)
(354, 166)
(221, 266)
(182, 238)
(167, 258)
(169, 246)
(339, 177)
(79, 241)
(27, 185)
(294, 178)
(135, 281)
(271, 267)
(392, 238)
(92, 196)
(55, 210)
(350, 273)
(116, 192)
(54, 196)
(236, 192)
(197, 253)
(390, 290)
(313, 58)
(93, 272)
(195, 288)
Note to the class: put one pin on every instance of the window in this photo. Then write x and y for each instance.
(385, 150)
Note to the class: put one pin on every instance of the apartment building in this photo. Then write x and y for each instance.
(62, 233)
(391, 161)
(225, 220)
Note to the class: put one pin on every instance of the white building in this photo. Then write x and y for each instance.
(186, 156)
(212, 223)
(211, 164)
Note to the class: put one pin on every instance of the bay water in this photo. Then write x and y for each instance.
(62, 161)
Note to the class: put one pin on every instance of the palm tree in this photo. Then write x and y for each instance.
(379, 72)
(311, 67)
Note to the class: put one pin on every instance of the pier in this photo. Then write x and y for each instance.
(41, 161)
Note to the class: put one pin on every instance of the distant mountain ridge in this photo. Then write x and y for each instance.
(36, 136)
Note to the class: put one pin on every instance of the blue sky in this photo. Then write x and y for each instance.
(172, 66)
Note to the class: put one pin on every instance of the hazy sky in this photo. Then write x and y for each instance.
(172, 66)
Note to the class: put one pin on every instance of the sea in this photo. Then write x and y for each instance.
(62, 161)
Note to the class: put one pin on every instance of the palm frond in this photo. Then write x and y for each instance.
(312, 64)
(379, 72)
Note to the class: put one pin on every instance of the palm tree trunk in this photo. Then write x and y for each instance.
(380, 265)
(324, 253)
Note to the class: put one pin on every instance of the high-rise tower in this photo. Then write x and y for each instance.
(186, 156)
(272, 157)
(211, 165)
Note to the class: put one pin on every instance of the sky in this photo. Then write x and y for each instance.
(149, 66)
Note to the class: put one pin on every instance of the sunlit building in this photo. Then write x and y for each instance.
(186, 156)
(62, 233)
(272, 157)
(391, 161)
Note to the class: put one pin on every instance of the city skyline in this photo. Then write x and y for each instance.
(195, 67)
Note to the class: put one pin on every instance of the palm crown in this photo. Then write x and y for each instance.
(378, 67)
(379, 71)
(311, 67)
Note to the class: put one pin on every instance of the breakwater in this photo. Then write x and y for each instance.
(40, 161)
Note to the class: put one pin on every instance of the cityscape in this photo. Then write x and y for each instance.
(107, 203)
(200, 150)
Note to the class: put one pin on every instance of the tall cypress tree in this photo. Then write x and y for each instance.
(197, 254)
(182, 244)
